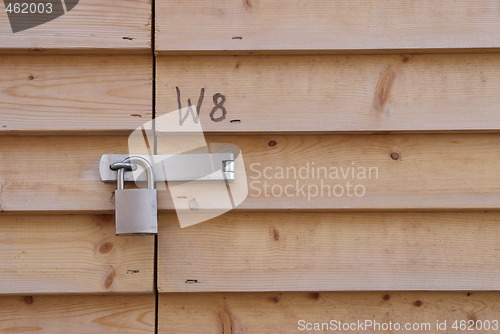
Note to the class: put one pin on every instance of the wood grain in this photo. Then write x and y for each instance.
(255, 26)
(72, 254)
(440, 171)
(91, 27)
(120, 314)
(395, 172)
(74, 93)
(331, 252)
(336, 93)
(279, 313)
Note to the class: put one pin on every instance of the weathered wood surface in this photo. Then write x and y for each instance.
(72, 254)
(453, 171)
(280, 313)
(331, 252)
(91, 27)
(120, 314)
(336, 93)
(280, 26)
(68, 93)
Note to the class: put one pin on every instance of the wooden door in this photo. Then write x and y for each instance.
(70, 90)
(399, 99)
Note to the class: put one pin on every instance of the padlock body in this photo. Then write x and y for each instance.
(136, 211)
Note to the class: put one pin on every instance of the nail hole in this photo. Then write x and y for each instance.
(394, 156)
(133, 271)
(31, 77)
(272, 143)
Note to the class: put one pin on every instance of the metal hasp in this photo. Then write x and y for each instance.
(174, 167)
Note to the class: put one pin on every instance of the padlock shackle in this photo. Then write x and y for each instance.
(125, 165)
(140, 161)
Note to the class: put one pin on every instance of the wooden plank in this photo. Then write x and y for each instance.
(442, 171)
(92, 26)
(328, 172)
(72, 254)
(121, 314)
(280, 313)
(68, 93)
(336, 93)
(331, 252)
(56, 173)
(253, 26)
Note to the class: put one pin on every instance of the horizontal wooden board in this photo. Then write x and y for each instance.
(67, 93)
(71, 254)
(56, 173)
(452, 171)
(331, 252)
(280, 313)
(325, 26)
(120, 314)
(335, 93)
(359, 172)
(92, 26)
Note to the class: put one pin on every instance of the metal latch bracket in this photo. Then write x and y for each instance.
(175, 167)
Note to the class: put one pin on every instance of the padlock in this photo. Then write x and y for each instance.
(136, 209)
